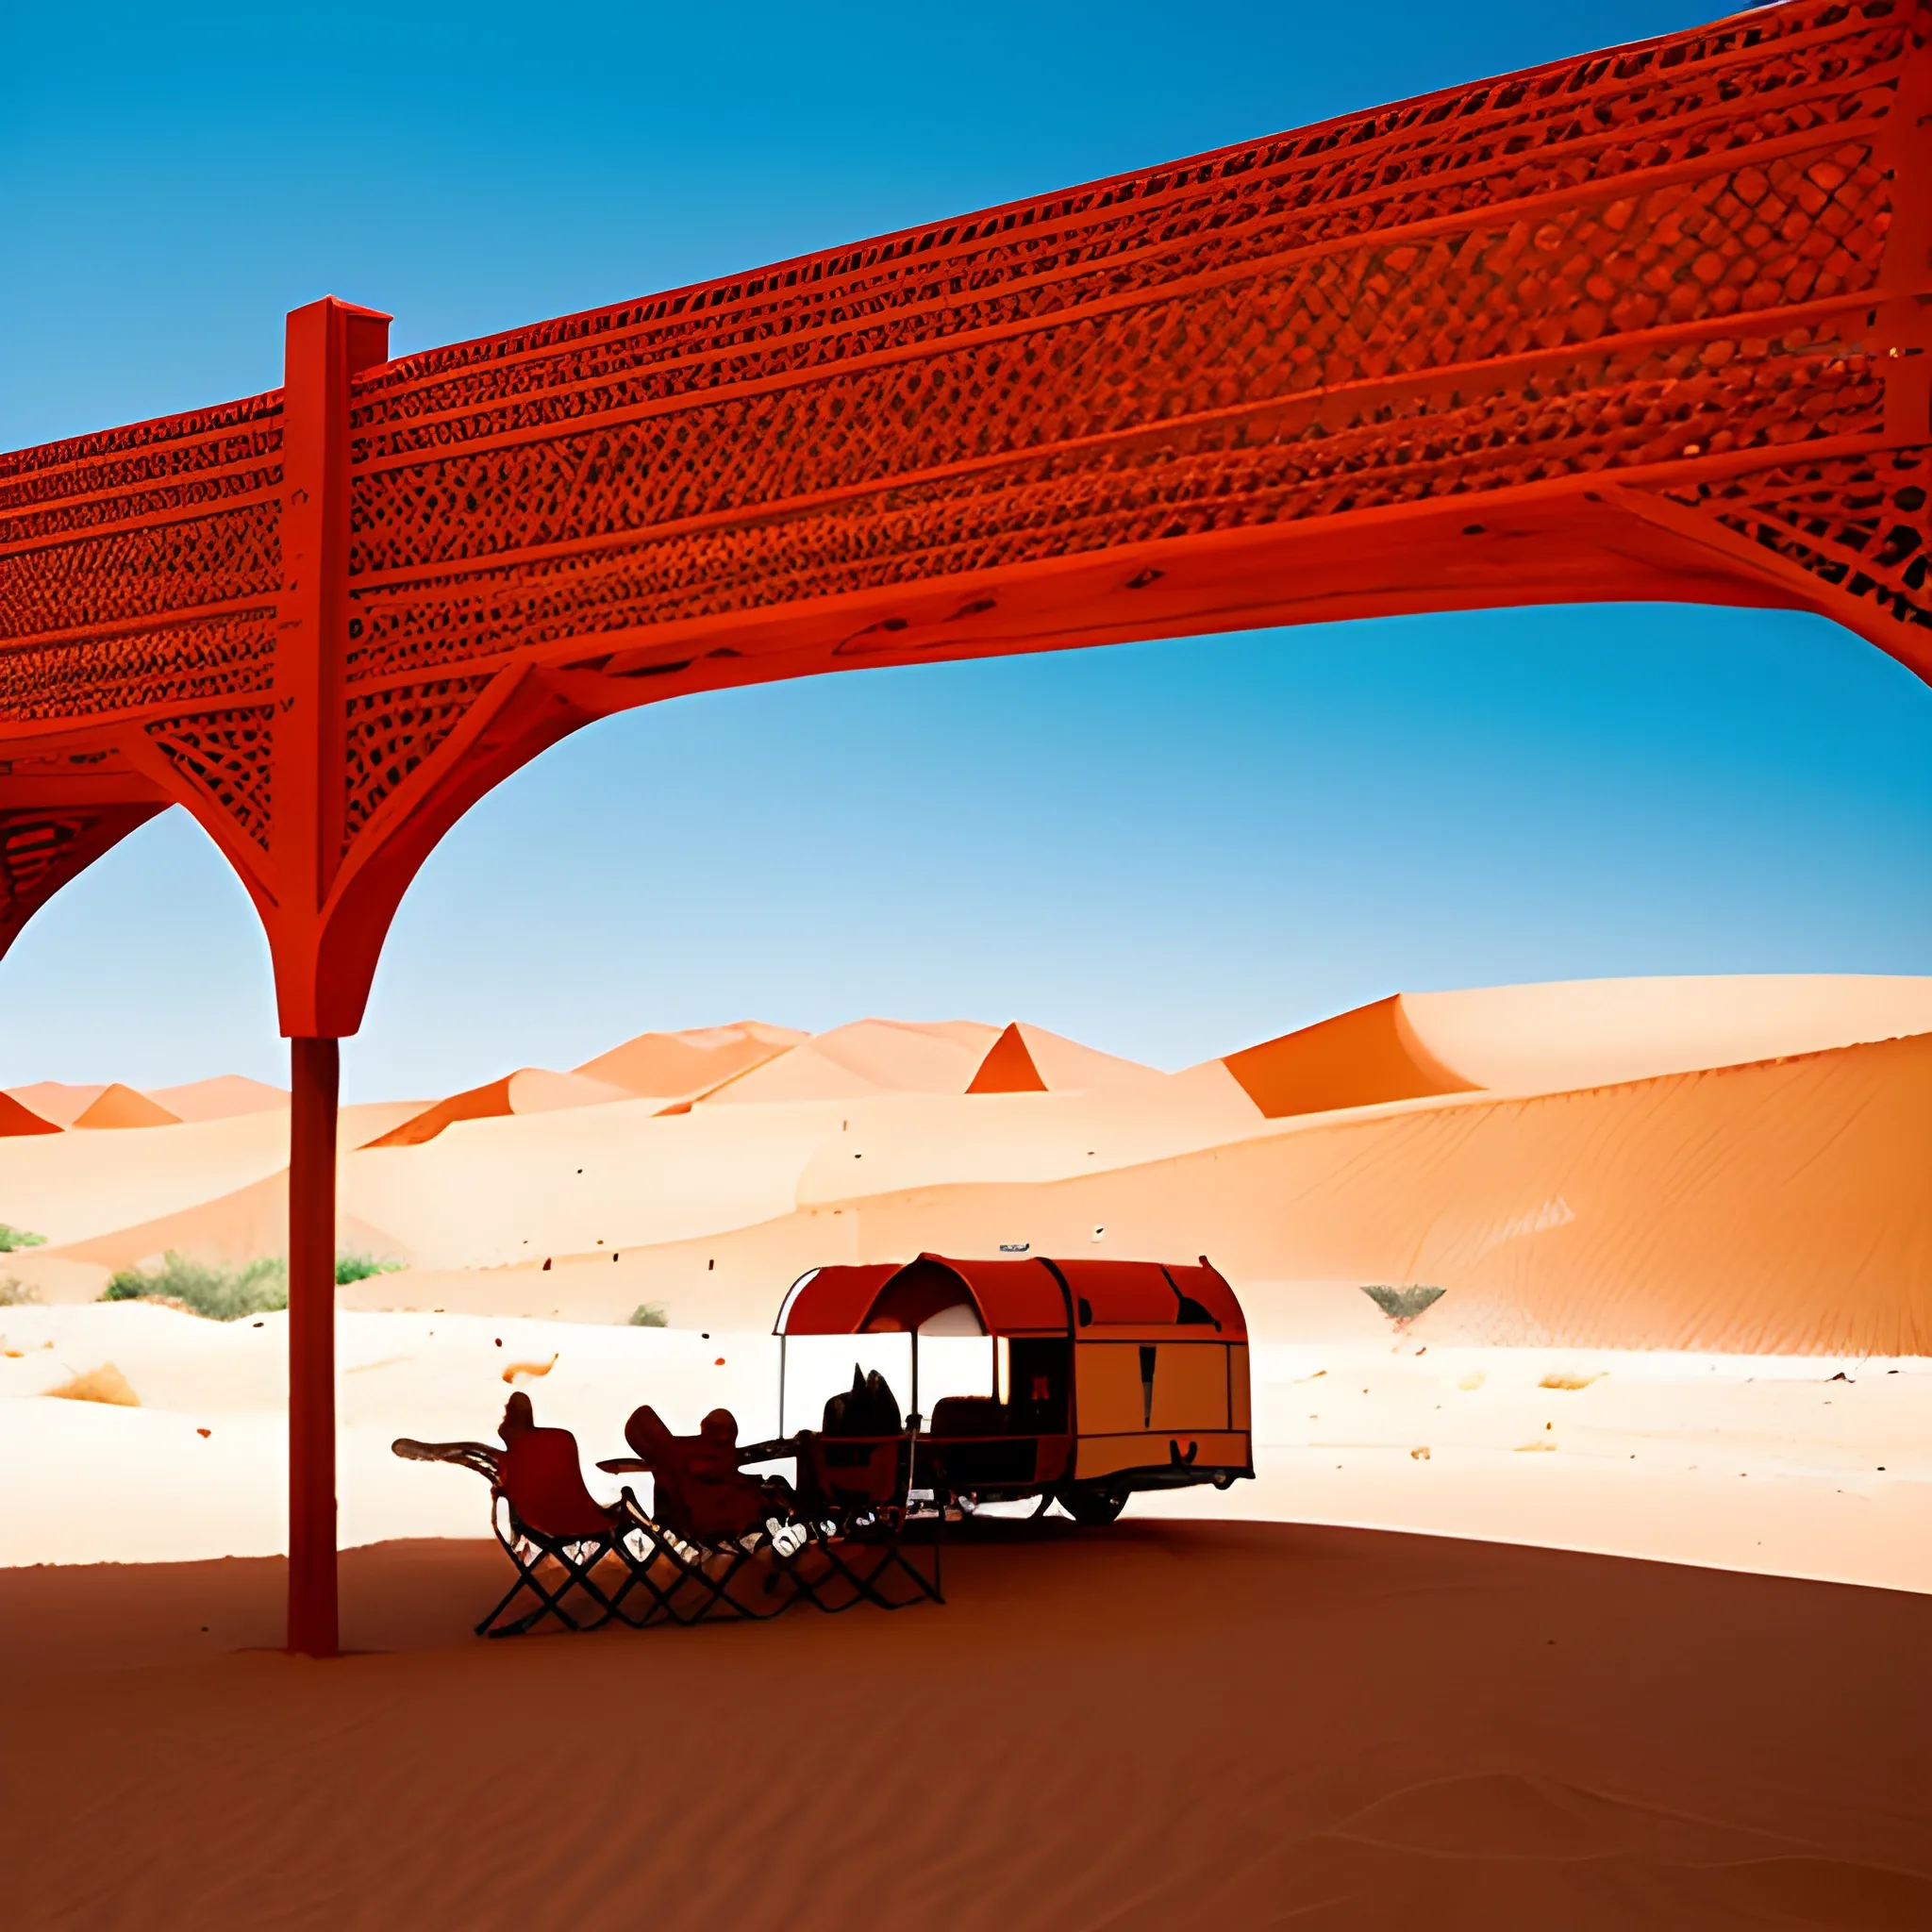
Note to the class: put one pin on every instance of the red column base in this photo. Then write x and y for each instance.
(314, 1069)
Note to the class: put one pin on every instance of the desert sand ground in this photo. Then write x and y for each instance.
(1164, 1724)
(1600, 1591)
(1770, 1464)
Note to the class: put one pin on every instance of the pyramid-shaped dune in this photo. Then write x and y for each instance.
(1008, 1067)
(122, 1106)
(1029, 1059)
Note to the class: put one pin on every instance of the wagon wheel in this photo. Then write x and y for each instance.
(1091, 1503)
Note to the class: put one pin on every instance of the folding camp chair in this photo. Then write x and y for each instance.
(552, 1528)
(857, 1493)
(715, 1544)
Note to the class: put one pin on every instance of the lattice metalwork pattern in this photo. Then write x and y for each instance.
(230, 755)
(1414, 303)
(140, 565)
(1656, 269)
(391, 731)
(1859, 524)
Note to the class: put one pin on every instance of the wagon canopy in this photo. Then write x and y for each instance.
(933, 1295)
(1151, 1294)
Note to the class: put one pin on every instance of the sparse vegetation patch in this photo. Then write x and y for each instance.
(361, 1267)
(648, 1315)
(207, 1288)
(1403, 1304)
(225, 1293)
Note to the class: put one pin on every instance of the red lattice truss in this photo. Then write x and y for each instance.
(1649, 324)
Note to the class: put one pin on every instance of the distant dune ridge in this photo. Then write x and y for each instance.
(675, 1066)
(219, 1098)
(1561, 1158)
(530, 1090)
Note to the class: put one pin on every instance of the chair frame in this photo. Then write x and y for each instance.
(672, 1578)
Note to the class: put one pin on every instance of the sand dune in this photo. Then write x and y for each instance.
(530, 1090)
(122, 1106)
(70, 1187)
(1359, 1058)
(57, 1101)
(1771, 1208)
(1547, 1037)
(15, 1118)
(1776, 1208)
(1591, 1032)
(1218, 1726)
(1029, 1059)
(868, 1056)
(675, 1066)
(73, 1186)
(235, 1227)
(219, 1098)
(492, 1192)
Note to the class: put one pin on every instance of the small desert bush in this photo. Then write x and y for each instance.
(104, 1384)
(361, 1267)
(226, 1294)
(207, 1288)
(12, 1237)
(15, 1294)
(648, 1315)
(1403, 1303)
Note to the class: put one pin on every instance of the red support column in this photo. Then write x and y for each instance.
(312, 1623)
(328, 342)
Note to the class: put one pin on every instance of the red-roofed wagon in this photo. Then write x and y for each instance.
(1106, 1377)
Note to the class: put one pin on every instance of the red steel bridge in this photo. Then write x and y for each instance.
(1651, 323)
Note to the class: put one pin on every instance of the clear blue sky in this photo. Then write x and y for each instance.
(1166, 849)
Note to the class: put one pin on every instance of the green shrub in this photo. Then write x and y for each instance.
(361, 1267)
(1404, 1304)
(207, 1288)
(12, 1237)
(226, 1294)
(648, 1315)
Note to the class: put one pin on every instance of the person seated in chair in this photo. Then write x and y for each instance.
(539, 1473)
(714, 1457)
(701, 1491)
